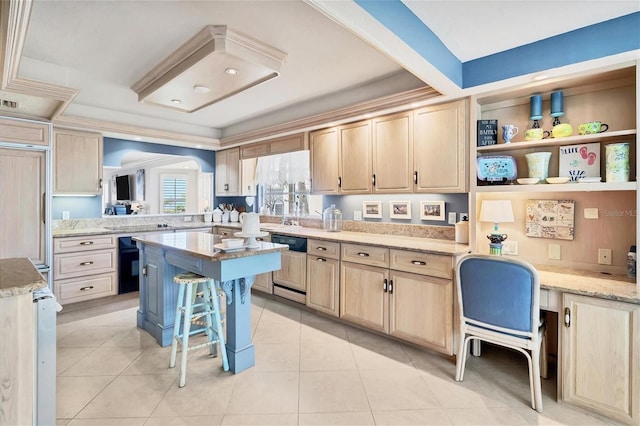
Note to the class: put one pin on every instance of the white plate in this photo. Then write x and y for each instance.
(528, 181)
(590, 179)
(229, 250)
(558, 179)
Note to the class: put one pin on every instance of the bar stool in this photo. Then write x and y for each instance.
(208, 306)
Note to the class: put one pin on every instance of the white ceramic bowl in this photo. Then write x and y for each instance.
(231, 243)
(528, 181)
(558, 179)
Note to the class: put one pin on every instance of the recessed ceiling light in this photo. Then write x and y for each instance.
(176, 101)
(540, 77)
(232, 71)
(200, 89)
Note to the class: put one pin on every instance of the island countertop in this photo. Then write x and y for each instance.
(19, 276)
(203, 245)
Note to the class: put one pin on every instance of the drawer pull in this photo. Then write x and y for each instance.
(384, 285)
(321, 259)
(321, 248)
(363, 254)
(86, 243)
(86, 263)
(89, 287)
(390, 286)
(418, 262)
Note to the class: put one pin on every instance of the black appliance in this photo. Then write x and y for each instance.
(295, 243)
(128, 266)
(123, 192)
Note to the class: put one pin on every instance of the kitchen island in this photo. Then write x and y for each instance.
(162, 256)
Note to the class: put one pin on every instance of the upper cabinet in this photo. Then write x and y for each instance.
(248, 177)
(412, 151)
(440, 148)
(77, 163)
(228, 172)
(607, 97)
(24, 132)
(274, 146)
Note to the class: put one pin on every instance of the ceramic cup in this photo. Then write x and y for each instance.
(538, 163)
(592, 127)
(536, 134)
(617, 162)
(508, 132)
(561, 130)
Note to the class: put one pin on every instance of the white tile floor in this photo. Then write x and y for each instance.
(309, 370)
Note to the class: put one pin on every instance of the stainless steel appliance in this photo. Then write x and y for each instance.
(290, 281)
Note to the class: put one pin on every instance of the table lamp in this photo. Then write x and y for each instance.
(496, 211)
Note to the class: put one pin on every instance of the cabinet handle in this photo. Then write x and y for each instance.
(86, 263)
(418, 262)
(89, 287)
(44, 208)
(390, 286)
(100, 183)
(321, 259)
(363, 254)
(321, 248)
(384, 285)
(415, 177)
(144, 271)
(567, 317)
(373, 179)
(226, 186)
(86, 243)
(339, 181)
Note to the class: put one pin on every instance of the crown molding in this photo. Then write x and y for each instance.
(376, 106)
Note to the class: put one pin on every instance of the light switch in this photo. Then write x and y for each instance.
(452, 218)
(357, 215)
(591, 213)
(65, 215)
(554, 251)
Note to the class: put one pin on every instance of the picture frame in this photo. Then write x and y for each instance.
(432, 210)
(400, 209)
(372, 209)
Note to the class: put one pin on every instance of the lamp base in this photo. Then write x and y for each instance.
(495, 249)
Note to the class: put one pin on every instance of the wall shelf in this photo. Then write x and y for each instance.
(565, 187)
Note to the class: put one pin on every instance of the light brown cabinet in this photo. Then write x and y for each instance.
(325, 169)
(248, 177)
(600, 362)
(24, 132)
(292, 276)
(77, 163)
(227, 172)
(356, 168)
(281, 145)
(264, 281)
(23, 183)
(85, 268)
(393, 153)
(323, 276)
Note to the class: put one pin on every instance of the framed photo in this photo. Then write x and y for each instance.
(400, 209)
(432, 210)
(372, 209)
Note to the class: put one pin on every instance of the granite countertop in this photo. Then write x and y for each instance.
(19, 276)
(127, 229)
(202, 245)
(588, 283)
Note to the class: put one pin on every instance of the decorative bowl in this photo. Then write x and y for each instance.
(528, 181)
(231, 243)
(562, 179)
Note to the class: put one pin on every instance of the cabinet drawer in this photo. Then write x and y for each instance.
(330, 249)
(436, 265)
(82, 244)
(79, 264)
(227, 232)
(79, 289)
(366, 255)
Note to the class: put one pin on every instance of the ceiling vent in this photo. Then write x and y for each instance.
(213, 65)
(7, 104)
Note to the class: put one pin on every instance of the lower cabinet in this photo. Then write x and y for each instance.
(600, 356)
(323, 276)
(363, 295)
(264, 282)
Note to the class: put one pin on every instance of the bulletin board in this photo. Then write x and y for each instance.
(550, 219)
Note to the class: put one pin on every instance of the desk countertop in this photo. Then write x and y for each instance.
(19, 276)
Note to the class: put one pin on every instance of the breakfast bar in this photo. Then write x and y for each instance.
(162, 256)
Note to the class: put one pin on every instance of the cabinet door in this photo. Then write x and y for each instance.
(392, 153)
(248, 180)
(323, 146)
(228, 172)
(439, 154)
(421, 310)
(355, 158)
(25, 132)
(263, 283)
(22, 185)
(323, 284)
(363, 295)
(293, 271)
(600, 362)
(77, 163)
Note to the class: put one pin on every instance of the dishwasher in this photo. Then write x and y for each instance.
(290, 281)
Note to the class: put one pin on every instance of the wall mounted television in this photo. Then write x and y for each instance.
(123, 192)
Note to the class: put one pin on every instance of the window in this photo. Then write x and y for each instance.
(174, 194)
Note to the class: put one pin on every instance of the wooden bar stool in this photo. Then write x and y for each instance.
(191, 313)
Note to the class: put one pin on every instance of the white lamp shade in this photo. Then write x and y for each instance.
(496, 211)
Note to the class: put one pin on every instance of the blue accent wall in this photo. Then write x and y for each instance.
(113, 151)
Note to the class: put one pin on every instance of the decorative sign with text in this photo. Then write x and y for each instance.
(487, 132)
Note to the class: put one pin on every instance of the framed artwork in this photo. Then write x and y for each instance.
(432, 210)
(400, 209)
(550, 219)
(372, 209)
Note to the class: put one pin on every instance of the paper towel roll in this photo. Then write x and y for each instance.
(462, 232)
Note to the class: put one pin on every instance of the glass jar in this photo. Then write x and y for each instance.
(332, 219)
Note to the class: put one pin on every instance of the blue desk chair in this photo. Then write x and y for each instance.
(499, 302)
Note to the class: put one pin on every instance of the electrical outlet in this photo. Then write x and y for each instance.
(554, 251)
(604, 256)
(591, 213)
(452, 218)
(357, 215)
(510, 248)
(187, 218)
(464, 216)
(65, 215)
